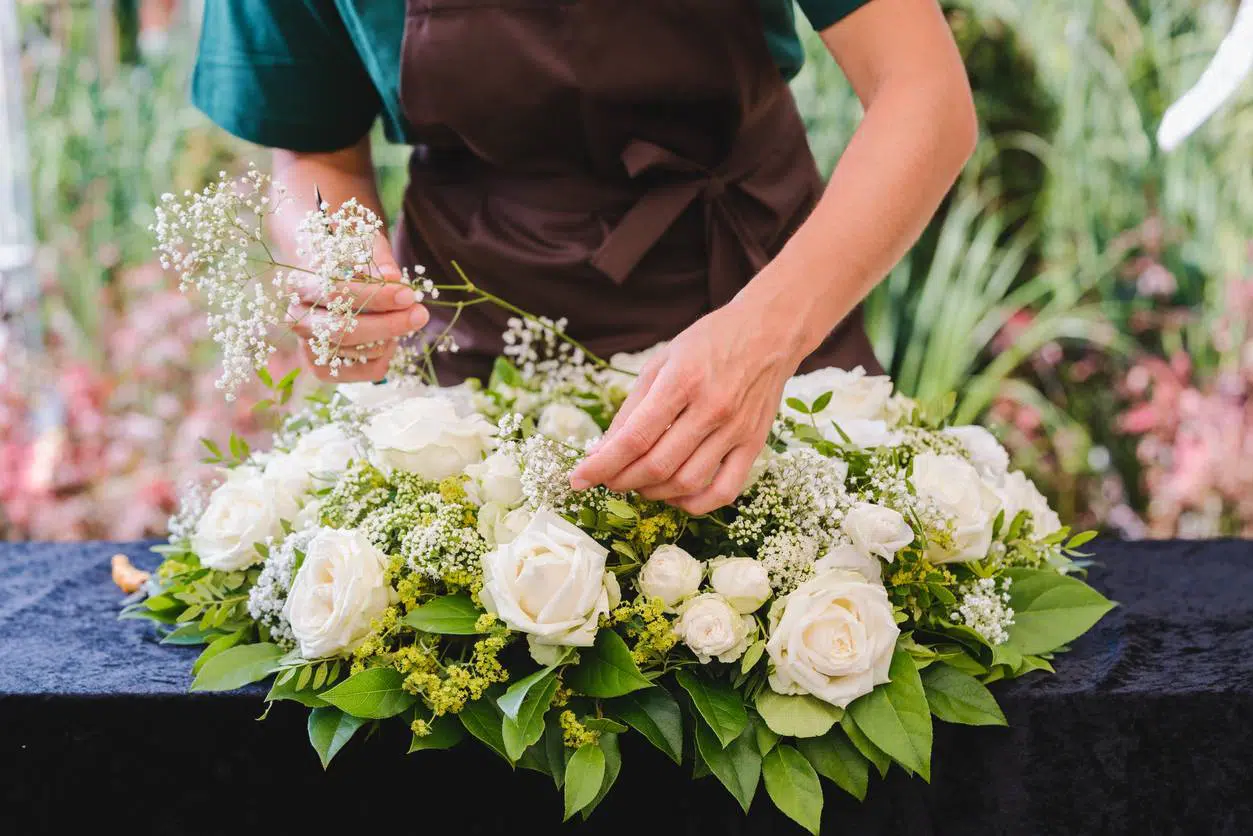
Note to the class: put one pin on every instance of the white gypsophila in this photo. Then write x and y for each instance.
(625, 368)
(1018, 493)
(536, 348)
(268, 596)
(339, 589)
(877, 531)
(244, 510)
(496, 479)
(445, 545)
(855, 395)
(426, 436)
(498, 525)
(832, 638)
(849, 558)
(985, 608)
(193, 499)
(789, 559)
(712, 628)
(983, 450)
(550, 583)
(967, 505)
(742, 581)
(566, 422)
(546, 468)
(670, 574)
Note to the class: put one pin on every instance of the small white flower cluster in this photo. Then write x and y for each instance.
(985, 609)
(267, 598)
(789, 557)
(193, 499)
(445, 547)
(537, 348)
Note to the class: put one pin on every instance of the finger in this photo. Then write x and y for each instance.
(372, 370)
(643, 383)
(698, 471)
(696, 427)
(665, 399)
(370, 326)
(370, 297)
(726, 486)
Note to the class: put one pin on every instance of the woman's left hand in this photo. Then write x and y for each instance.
(699, 414)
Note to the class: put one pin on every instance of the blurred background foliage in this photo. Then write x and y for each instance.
(1085, 294)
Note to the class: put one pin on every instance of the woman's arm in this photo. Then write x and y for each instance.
(387, 313)
(702, 409)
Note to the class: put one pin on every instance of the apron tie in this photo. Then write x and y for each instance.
(729, 235)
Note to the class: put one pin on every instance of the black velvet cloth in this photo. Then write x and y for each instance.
(1146, 729)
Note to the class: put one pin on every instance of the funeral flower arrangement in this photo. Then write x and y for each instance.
(414, 554)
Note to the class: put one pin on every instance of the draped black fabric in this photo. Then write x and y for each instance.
(1146, 729)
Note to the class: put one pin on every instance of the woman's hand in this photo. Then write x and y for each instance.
(387, 312)
(700, 412)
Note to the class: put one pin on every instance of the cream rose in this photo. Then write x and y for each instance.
(566, 422)
(855, 395)
(832, 638)
(712, 629)
(626, 368)
(849, 558)
(954, 486)
(380, 395)
(496, 479)
(550, 583)
(671, 574)
(498, 525)
(986, 453)
(426, 436)
(314, 462)
(742, 581)
(877, 531)
(339, 589)
(1018, 493)
(245, 509)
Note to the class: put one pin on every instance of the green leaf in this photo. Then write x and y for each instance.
(752, 656)
(519, 733)
(284, 689)
(450, 615)
(654, 714)
(212, 447)
(329, 730)
(235, 667)
(217, 646)
(620, 508)
(584, 774)
(799, 405)
(556, 753)
(793, 787)
(720, 706)
(483, 719)
(263, 374)
(613, 765)
(797, 716)
(896, 717)
(445, 733)
(957, 697)
(606, 669)
(1051, 610)
(512, 699)
(820, 403)
(868, 750)
(374, 693)
(1081, 539)
(766, 738)
(190, 634)
(737, 766)
(835, 758)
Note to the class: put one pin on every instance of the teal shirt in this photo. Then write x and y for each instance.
(313, 75)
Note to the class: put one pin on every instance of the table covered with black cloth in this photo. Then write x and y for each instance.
(1147, 728)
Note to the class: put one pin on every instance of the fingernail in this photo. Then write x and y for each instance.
(578, 483)
(417, 317)
(405, 297)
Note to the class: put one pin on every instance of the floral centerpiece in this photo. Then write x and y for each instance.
(411, 553)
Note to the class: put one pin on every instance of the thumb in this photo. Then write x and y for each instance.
(384, 259)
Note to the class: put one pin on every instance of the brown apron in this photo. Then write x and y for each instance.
(626, 164)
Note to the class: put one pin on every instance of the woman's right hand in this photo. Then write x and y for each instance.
(386, 313)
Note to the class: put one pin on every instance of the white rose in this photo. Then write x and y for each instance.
(496, 479)
(310, 515)
(671, 574)
(315, 460)
(498, 525)
(245, 509)
(379, 395)
(339, 589)
(426, 436)
(849, 558)
(566, 422)
(855, 395)
(954, 486)
(1020, 494)
(877, 531)
(550, 583)
(626, 368)
(712, 628)
(986, 453)
(899, 409)
(744, 582)
(832, 638)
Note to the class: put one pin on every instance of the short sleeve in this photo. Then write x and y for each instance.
(824, 13)
(283, 74)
